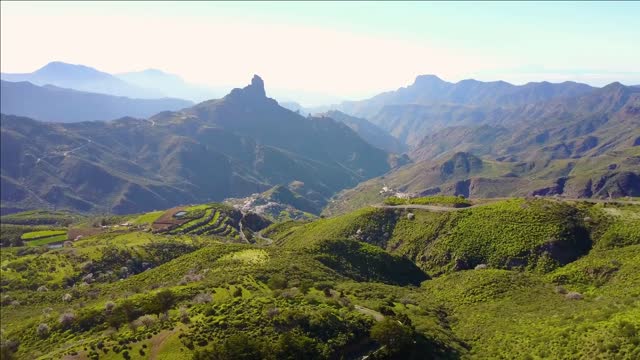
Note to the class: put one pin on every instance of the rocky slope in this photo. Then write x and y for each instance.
(241, 144)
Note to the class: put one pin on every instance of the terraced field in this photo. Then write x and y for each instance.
(210, 220)
(44, 237)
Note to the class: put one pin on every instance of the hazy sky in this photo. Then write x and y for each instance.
(318, 52)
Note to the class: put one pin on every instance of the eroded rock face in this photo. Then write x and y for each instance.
(255, 222)
(461, 264)
(462, 188)
(617, 185)
(555, 189)
(586, 190)
(460, 164)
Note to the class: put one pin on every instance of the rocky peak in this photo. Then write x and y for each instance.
(428, 80)
(254, 90)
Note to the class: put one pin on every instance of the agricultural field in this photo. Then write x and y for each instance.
(44, 237)
(518, 278)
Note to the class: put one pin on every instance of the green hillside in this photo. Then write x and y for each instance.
(535, 277)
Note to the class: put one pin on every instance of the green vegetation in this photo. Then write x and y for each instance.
(532, 234)
(11, 235)
(455, 201)
(47, 240)
(552, 279)
(147, 218)
(535, 234)
(43, 237)
(41, 217)
(41, 234)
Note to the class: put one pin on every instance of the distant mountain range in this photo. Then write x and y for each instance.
(582, 146)
(146, 84)
(471, 138)
(429, 104)
(369, 132)
(241, 144)
(51, 103)
(170, 85)
(430, 90)
(82, 78)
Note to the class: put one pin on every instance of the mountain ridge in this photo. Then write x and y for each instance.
(52, 103)
(82, 78)
(235, 146)
(430, 89)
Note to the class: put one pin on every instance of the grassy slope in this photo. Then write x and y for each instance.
(505, 314)
(236, 277)
(491, 313)
(505, 234)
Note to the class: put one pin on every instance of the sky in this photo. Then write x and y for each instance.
(322, 52)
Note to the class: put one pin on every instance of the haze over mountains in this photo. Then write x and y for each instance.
(235, 146)
(52, 103)
(170, 84)
(430, 103)
(83, 78)
(146, 84)
(584, 146)
(470, 138)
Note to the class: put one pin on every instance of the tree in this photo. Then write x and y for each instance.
(277, 282)
(164, 300)
(392, 334)
(294, 345)
(239, 347)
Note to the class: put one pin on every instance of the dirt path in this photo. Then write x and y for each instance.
(242, 235)
(374, 314)
(158, 341)
(266, 240)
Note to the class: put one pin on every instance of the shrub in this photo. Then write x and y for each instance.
(305, 286)
(147, 320)
(67, 297)
(67, 319)
(202, 298)
(277, 282)
(184, 315)
(43, 330)
(109, 306)
(295, 345)
(188, 278)
(390, 333)
(273, 312)
(239, 347)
